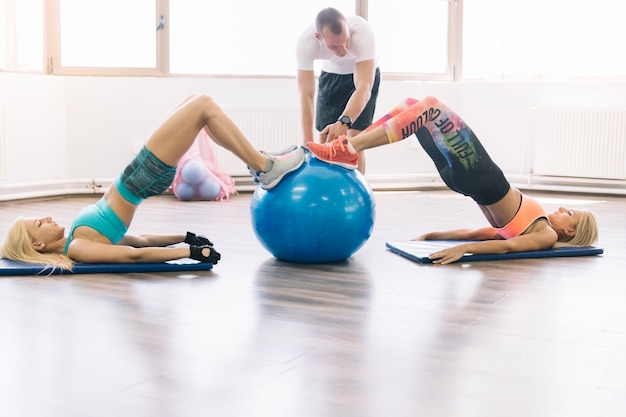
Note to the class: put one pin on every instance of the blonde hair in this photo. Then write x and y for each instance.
(586, 231)
(18, 247)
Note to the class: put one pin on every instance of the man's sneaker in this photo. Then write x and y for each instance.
(282, 165)
(285, 151)
(335, 152)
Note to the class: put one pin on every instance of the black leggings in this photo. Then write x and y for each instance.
(462, 161)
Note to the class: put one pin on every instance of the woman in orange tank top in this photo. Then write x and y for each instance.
(517, 222)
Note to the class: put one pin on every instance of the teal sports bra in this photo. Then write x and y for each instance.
(102, 218)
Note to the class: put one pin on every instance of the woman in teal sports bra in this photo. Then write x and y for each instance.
(98, 234)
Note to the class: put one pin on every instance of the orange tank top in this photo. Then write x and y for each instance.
(529, 211)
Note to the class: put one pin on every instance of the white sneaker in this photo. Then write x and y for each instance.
(282, 165)
(253, 173)
(285, 151)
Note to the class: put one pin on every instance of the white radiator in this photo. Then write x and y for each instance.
(268, 128)
(577, 142)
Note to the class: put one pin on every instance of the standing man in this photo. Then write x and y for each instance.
(349, 80)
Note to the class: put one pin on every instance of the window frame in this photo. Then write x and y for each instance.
(54, 67)
(13, 67)
(455, 51)
(51, 53)
(54, 48)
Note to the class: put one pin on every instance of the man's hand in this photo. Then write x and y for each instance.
(333, 131)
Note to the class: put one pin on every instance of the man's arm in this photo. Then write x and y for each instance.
(306, 88)
(364, 73)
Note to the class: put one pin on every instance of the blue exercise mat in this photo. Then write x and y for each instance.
(9, 267)
(418, 251)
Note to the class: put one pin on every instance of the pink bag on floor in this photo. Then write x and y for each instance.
(198, 175)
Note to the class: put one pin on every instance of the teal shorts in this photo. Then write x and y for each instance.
(145, 176)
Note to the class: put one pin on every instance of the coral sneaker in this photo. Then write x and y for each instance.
(335, 152)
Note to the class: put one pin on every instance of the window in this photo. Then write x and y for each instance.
(22, 35)
(412, 36)
(240, 37)
(107, 34)
(543, 39)
(417, 39)
(194, 37)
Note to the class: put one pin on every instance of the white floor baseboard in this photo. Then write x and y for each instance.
(87, 186)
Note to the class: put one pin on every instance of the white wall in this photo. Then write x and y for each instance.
(68, 128)
(34, 130)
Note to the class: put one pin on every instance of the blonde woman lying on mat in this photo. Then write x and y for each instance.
(98, 234)
(518, 222)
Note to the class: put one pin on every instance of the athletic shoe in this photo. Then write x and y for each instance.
(335, 152)
(277, 153)
(285, 151)
(253, 173)
(281, 166)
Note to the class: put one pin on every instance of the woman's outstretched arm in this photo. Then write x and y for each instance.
(88, 251)
(542, 239)
(484, 233)
(147, 240)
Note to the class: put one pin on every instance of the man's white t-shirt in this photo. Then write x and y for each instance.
(362, 48)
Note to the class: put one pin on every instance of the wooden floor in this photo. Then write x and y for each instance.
(374, 336)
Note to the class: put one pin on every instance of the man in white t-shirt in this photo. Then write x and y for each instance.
(349, 80)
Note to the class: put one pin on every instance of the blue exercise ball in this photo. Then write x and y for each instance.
(319, 213)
